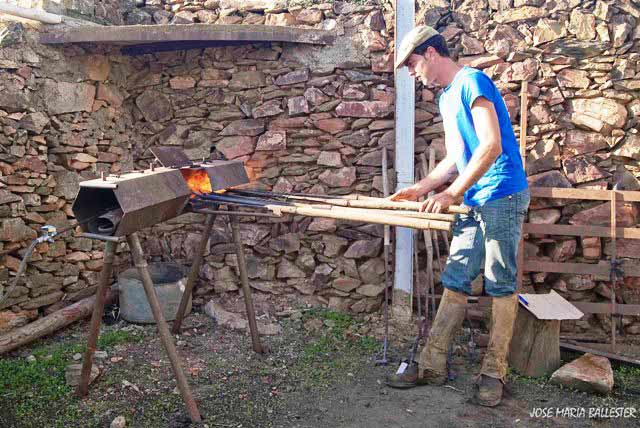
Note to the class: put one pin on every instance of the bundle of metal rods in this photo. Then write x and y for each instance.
(349, 207)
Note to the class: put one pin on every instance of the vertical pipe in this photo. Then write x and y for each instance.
(96, 318)
(165, 336)
(193, 273)
(404, 148)
(246, 289)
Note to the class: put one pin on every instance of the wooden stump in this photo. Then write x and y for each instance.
(535, 347)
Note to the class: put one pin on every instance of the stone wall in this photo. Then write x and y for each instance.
(308, 119)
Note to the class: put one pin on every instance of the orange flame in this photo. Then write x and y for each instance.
(197, 180)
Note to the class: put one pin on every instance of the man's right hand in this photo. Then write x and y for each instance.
(411, 193)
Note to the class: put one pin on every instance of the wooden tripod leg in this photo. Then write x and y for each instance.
(96, 318)
(193, 273)
(163, 329)
(246, 289)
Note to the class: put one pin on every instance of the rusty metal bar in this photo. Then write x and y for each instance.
(102, 237)
(233, 213)
(193, 273)
(96, 318)
(246, 289)
(616, 357)
(165, 335)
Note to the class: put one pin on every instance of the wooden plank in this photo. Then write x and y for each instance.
(609, 355)
(605, 308)
(601, 269)
(137, 34)
(576, 230)
(613, 195)
(589, 194)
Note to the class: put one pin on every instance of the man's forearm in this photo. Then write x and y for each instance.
(479, 163)
(440, 175)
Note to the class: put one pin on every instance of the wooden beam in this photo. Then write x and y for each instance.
(605, 308)
(140, 34)
(589, 194)
(601, 269)
(576, 230)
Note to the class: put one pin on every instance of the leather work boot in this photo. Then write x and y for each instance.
(431, 368)
(405, 377)
(494, 365)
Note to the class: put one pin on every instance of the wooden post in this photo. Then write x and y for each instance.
(193, 273)
(246, 289)
(613, 273)
(96, 317)
(524, 101)
(163, 330)
(535, 349)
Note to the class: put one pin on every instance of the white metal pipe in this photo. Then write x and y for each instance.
(35, 14)
(404, 157)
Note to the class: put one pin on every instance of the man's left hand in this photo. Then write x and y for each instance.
(438, 203)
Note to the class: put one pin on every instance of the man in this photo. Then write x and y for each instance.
(482, 149)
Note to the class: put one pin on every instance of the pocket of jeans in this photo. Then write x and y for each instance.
(498, 218)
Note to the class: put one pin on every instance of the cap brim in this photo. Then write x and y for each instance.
(401, 60)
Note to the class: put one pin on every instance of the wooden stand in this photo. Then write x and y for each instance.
(163, 329)
(535, 347)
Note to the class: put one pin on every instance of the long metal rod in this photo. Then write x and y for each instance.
(387, 255)
(233, 213)
(163, 329)
(193, 273)
(96, 318)
(428, 243)
(246, 288)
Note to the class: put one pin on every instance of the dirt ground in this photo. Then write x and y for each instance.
(319, 373)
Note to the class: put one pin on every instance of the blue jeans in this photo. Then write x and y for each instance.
(487, 237)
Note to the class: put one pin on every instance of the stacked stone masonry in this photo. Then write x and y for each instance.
(308, 119)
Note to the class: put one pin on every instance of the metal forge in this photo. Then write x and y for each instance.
(114, 208)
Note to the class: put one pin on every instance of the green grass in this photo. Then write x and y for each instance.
(337, 349)
(35, 393)
(627, 379)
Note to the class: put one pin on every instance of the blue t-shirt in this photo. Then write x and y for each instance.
(506, 175)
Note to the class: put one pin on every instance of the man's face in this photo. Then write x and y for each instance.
(421, 67)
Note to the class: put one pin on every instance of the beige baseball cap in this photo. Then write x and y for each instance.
(411, 41)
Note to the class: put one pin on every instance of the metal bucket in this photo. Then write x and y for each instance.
(169, 280)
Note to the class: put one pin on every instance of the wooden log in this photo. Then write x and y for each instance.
(49, 324)
(535, 347)
(361, 215)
